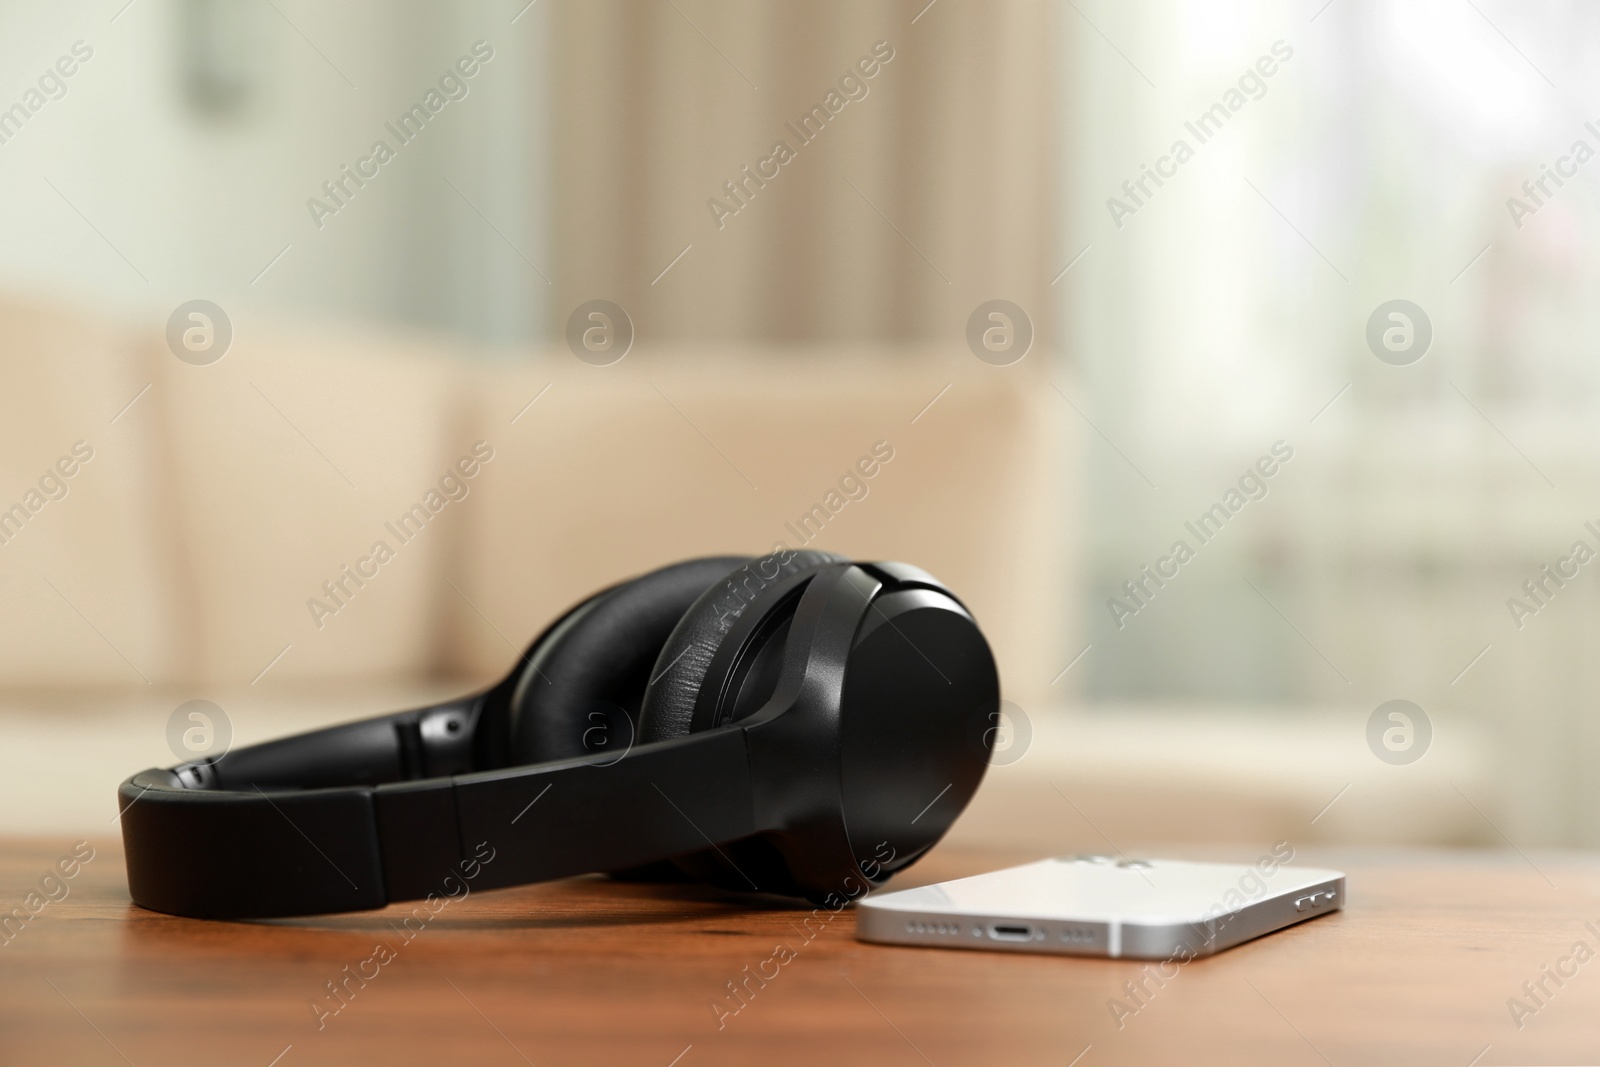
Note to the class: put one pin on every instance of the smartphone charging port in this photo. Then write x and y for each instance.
(1011, 932)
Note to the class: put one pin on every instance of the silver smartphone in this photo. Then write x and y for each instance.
(1106, 906)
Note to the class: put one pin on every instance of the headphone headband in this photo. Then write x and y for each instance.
(249, 853)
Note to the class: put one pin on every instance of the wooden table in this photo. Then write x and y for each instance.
(1418, 969)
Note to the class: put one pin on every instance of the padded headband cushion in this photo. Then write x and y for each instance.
(668, 709)
(601, 651)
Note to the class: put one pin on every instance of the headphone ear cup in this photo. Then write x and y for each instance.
(584, 680)
(669, 700)
(680, 671)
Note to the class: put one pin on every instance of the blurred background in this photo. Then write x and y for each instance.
(1199, 213)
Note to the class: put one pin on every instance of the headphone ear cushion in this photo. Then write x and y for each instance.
(679, 671)
(599, 657)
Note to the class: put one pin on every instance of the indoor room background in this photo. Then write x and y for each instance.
(1393, 526)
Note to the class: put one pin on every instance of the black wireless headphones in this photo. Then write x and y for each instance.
(797, 724)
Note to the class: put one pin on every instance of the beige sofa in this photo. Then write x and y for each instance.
(192, 551)
(223, 503)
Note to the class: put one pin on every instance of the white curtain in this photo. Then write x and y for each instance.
(930, 190)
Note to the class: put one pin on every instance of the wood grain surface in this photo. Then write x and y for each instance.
(1417, 969)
